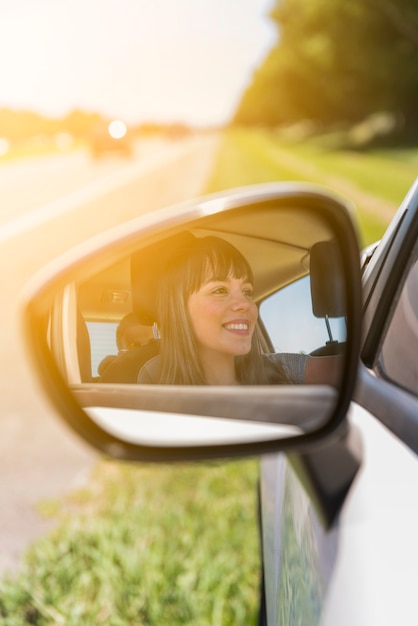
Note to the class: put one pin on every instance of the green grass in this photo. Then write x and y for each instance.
(145, 545)
(376, 182)
(385, 174)
(244, 159)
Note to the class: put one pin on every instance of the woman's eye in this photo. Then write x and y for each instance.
(219, 290)
(248, 292)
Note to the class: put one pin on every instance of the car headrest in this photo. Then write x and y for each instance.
(327, 280)
(147, 266)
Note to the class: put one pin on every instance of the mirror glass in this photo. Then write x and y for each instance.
(238, 316)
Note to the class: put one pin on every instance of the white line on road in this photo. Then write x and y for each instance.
(89, 192)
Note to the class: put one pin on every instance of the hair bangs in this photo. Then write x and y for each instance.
(214, 258)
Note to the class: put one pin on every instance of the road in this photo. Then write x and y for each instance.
(48, 205)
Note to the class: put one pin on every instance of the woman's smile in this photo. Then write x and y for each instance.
(238, 326)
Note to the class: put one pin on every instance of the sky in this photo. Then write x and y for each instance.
(139, 60)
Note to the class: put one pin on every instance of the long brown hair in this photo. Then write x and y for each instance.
(185, 271)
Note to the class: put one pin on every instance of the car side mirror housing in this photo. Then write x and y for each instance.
(301, 244)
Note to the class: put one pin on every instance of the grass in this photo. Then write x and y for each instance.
(376, 181)
(144, 545)
(384, 174)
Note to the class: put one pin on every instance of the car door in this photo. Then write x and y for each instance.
(362, 568)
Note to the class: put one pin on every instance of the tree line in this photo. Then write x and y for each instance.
(337, 62)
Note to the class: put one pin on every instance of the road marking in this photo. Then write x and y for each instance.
(92, 191)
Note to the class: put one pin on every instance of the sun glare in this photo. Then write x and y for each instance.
(117, 129)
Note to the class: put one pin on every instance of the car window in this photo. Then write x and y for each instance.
(399, 351)
(288, 318)
(102, 342)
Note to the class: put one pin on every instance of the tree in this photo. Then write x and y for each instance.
(336, 61)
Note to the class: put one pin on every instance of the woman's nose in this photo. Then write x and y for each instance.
(240, 302)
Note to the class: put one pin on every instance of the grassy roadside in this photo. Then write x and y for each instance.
(145, 545)
(179, 544)
(376, 182)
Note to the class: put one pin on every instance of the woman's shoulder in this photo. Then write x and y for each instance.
(149, 373)
(293, 365)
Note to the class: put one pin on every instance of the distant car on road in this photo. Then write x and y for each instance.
(111, 137)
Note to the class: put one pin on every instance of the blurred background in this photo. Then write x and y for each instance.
(160, 67)
(302, 67)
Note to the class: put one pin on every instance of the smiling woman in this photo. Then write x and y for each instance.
(207, 316)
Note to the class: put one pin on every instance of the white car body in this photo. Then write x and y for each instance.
(367, 563)
(362, 569)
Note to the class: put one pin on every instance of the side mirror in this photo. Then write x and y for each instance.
(74, 309)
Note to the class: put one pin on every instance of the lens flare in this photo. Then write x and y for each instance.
(117, 129)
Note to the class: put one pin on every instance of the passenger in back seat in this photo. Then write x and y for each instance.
(136, 344)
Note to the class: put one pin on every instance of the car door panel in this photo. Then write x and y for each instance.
(355, 572)
(291, 533)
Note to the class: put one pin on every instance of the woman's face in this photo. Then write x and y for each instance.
(223, 316)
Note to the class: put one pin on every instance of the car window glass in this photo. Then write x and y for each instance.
(398, 357)
(292, 327)
(102, 341)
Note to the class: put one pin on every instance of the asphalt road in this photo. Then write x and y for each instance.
(48, 205)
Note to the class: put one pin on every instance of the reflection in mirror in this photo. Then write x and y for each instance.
(254, 296)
